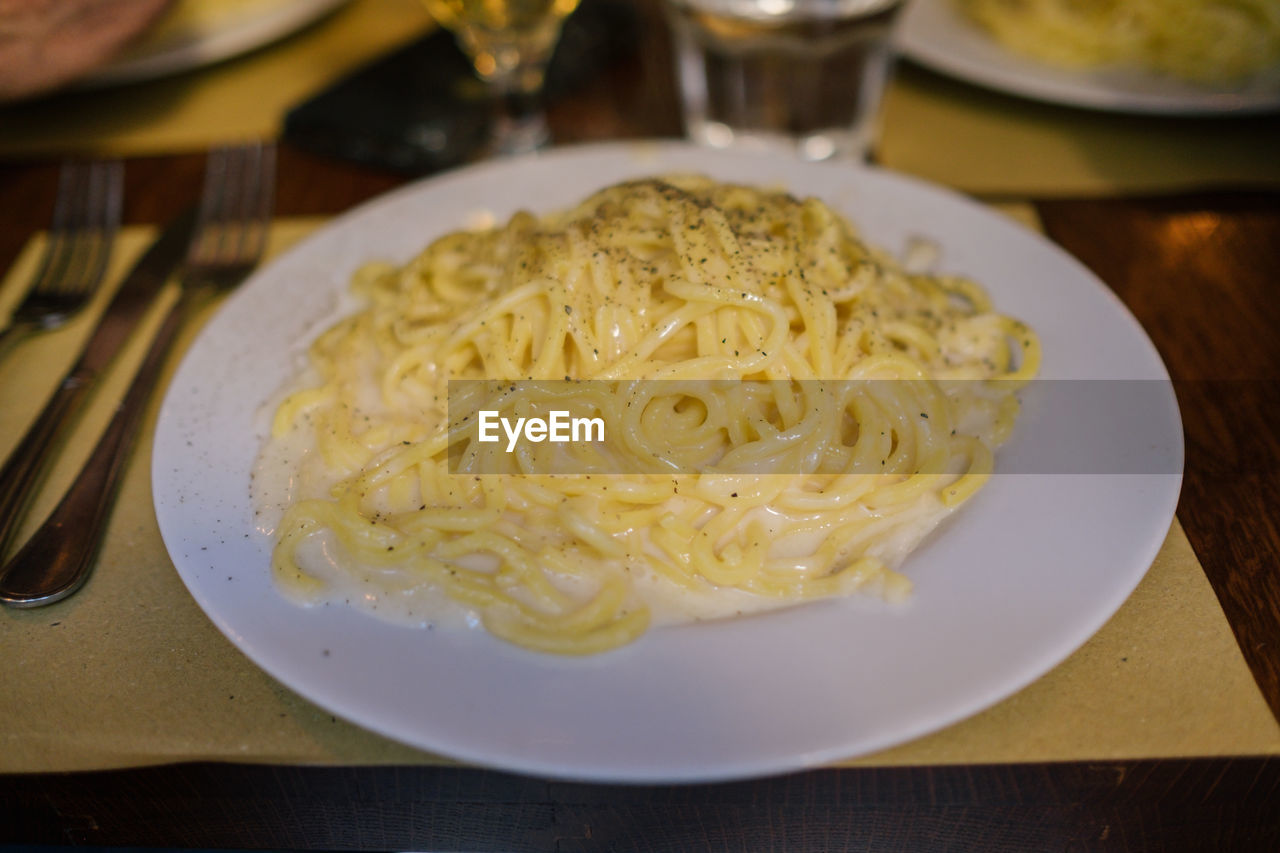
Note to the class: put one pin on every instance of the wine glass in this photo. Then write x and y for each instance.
(509, 43)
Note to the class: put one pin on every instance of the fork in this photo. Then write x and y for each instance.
(231, 233)
(86, 217)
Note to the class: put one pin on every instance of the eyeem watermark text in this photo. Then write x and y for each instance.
(558, 427)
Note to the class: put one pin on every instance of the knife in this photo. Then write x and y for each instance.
(28, 461)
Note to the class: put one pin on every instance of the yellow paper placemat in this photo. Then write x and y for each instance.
(998, 145)
(130, 672)
(242, 98)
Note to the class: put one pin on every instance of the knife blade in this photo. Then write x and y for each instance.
(27, 463)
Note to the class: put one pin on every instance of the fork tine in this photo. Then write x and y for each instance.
(211, 201)
(264, 203)
(98, 219)
(257, 187)
(104, 219)
(58, 250)
(73, 219)
(250, 180)
(241, 178)
(81, 200)
(236, 205)
(258, 206)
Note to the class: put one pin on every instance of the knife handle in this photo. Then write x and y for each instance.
(27, 463)
(57, 559)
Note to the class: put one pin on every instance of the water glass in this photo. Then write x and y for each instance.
(806, 75)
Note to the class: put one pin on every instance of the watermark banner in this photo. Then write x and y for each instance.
(825, 427)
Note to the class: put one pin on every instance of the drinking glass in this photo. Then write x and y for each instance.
(509, 43)
(804, 75)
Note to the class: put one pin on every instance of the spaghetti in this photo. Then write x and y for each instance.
(858, 402)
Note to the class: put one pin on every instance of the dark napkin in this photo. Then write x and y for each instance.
(422, 108)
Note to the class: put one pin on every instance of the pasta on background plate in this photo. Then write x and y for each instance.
(789, 411)
(1205, 41)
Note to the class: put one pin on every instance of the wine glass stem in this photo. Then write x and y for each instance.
(520, 121)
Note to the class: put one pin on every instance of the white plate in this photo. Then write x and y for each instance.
(935, 34)
(199, 32)
(1025, 574)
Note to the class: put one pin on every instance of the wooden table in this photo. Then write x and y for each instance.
(1200, 272)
